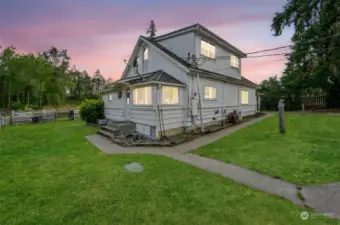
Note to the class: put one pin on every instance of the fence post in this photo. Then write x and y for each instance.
(281, 106)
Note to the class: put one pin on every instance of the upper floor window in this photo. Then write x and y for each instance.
(207, 49)
(142, 96)
(169, 95)
(146, 54)
(244, 97)
(209, 92)
(234, 61)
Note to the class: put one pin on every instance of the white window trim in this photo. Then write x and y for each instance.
(244, 90)
(178, 97)
(134, 99)
(210, 99)
(208, 56)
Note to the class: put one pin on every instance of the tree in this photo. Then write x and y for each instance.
(152, 30)
(315, 59)
(98, 81)
(43, 79)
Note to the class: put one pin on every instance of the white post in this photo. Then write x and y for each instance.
(200, 99)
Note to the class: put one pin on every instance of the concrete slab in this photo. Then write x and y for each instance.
(324, 198)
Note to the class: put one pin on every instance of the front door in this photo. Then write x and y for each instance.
(127, 105)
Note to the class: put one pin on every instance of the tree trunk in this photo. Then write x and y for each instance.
(9, 95)
(28, 98)
(40, 102)
(3, 95)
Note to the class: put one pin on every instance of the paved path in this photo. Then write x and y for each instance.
(287, 190)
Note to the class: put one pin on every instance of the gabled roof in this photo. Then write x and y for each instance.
(243, 81)
(168, 52)
(201, 30)
(158, 76)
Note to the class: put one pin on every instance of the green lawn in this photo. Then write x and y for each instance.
(49, 174)
(308, 153)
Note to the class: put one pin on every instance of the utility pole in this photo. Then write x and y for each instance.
(194, 61)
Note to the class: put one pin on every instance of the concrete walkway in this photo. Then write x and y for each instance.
(252, 179)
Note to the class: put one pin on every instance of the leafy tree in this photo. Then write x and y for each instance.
(98, 81)
(43, 79)
(152, 30)
(315, 59)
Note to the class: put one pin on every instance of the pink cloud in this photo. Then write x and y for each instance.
(100, 37)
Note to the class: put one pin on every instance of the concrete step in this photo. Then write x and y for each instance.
(110, 129)
(124, 127)
(106, 134)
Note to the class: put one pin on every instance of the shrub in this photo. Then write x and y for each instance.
(92, 110)
(16, 106)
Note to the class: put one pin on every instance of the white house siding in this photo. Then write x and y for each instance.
(250, 108)
(226, 98)
(114, 110)
(173, 116)
(143, 64)
(218, 66)
(159, 61)
(180, 45)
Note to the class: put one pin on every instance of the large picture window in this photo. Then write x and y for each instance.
(169, 95)
(207, 49)
(234, 61)
(209, 92)
(142, 96)
(244, 97)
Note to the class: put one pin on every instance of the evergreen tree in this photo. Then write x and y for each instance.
(152, 30)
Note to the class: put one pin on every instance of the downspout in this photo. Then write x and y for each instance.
(238, 99)
(222, 114)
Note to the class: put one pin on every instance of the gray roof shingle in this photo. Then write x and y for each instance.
(154, 77)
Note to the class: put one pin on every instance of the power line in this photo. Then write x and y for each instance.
(269, 49)
(266, 50)
(260, 56)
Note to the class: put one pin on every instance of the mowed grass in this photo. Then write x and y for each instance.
(308, 153)
(49, 174)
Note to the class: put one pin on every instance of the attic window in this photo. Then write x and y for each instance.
(207, 49)
(146, 54)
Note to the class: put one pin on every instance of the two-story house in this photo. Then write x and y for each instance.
(185, 78)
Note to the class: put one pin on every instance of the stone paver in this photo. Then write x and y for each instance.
(323, 198)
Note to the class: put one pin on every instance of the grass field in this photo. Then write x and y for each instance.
(308, 153)
(49, 174)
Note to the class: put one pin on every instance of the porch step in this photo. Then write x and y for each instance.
(106, 134)
(123, 127)
(110, 129)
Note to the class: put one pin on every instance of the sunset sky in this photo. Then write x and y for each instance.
(100, 34)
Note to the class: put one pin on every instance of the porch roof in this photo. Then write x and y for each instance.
(157, 77)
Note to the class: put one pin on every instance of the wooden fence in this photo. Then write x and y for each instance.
(40, 116)
(4, 121)
(314, 102)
